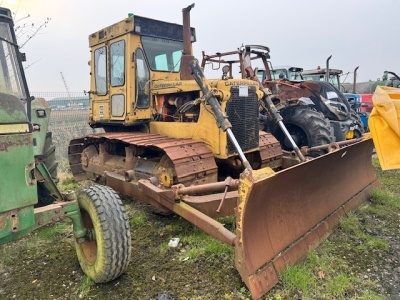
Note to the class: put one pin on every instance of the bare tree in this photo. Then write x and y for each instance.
(27, 31)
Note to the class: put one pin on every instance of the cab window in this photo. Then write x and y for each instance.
(117, 63)
(142, 80)
(163, 54)
(100, 69)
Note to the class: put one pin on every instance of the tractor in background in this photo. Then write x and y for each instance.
(315, 112)
(326, 74)
(369, 87)
(286, 72)
(361, 104)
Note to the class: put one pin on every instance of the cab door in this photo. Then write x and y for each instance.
(141, 106)
(117, 77)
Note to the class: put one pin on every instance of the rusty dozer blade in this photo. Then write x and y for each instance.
(281, 216)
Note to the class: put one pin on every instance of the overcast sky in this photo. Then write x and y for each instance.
(299, 33)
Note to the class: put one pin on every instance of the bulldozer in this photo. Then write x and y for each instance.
(29, 195)
(192, 146)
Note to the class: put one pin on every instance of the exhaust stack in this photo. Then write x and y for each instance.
(327, 69)
(355, 80)
(187, 56)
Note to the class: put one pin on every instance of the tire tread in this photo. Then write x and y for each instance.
(115, 226)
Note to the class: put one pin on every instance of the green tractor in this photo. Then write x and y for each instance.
(29, 196)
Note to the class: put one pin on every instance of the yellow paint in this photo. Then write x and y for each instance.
(164, 87)
(100, 110)
(384, 124)
(349, 134)
(110, 32)
(14, 128)
(247, 180)
(161, 86)
(204, 130)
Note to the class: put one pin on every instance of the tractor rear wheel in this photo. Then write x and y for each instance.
(307, 127)
(105, 253)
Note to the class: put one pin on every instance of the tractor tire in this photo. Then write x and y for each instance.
(307, 127)
(49, 154)
(339, 134)
(359, 129)
(105, 254)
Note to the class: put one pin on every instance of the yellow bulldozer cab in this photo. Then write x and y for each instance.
(384, 124)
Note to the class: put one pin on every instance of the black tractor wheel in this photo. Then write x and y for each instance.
(307, 128)
(338, 131)
(105, 253)
(49, 156)
(358, 130)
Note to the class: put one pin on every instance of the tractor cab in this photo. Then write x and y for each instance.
(320, 74)
(287, 72)
(18, 190)
(12, 78)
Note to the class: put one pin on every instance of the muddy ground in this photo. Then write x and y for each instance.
(44, 266)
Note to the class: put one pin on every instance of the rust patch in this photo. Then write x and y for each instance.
(14, 221)
(3, 224)
(193, 161)
(15, 141)
(281, 225)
